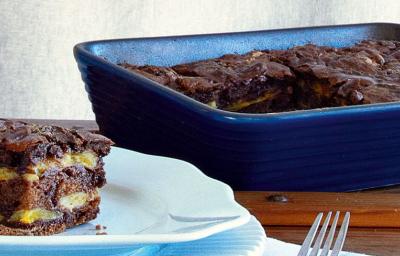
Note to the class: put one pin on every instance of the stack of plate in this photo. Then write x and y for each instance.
(248, 239)
(154, 206)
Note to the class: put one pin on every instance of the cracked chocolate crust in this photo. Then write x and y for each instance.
(302, 77)
(23, 144)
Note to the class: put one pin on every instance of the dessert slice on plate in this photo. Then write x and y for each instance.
(49, 177)
(149, 200)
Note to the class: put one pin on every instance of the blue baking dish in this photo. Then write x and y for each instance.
(330, 149)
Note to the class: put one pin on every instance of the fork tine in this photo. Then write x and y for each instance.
(337, 248)
(321, 235)
(331, 234)
(310, 236)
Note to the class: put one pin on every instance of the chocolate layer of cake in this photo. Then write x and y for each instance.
(49, 177)
(302, 77)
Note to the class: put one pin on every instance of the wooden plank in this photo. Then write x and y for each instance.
(300, 209)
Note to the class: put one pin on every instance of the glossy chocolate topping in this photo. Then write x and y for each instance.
(301, 77)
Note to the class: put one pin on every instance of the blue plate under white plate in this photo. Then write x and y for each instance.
(247, 240)
(148, 200)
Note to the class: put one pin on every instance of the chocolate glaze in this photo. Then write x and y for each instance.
(22, 144)
(305, 77)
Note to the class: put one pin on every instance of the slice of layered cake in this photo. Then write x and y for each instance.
(49, 177)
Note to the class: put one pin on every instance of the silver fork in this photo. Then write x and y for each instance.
(337, 248)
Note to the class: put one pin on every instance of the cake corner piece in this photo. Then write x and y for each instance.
(49, 177)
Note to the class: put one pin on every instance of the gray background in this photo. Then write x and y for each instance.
(38, 74)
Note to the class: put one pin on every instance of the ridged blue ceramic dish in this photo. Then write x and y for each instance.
(332, 149)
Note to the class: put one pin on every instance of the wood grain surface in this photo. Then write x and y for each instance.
(375, 216)
(300, 208)
(375, 220)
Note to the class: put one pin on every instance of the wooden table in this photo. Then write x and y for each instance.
(375, 221)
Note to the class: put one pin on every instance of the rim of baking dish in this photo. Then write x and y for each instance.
(81, 50)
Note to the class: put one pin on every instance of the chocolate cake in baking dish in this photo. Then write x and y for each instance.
(302, 77)
(49, 177)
